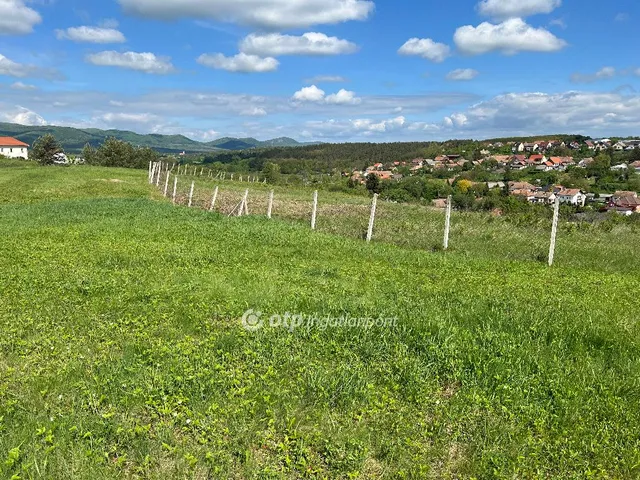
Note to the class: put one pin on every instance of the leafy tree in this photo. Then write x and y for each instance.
(45, 149)
(89, 153)
(373, 183)
(271, 172)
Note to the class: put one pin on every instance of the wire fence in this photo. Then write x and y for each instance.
(407, 225)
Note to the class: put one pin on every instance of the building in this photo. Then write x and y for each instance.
(572, 196)
(13, 148)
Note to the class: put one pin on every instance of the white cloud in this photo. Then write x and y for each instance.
(309, 94)
(558, 22)
(312, 43)
(504, 9)
(254, 112)
(273, 14)
(239, 63)
(326, 79)
(20, 70)
(426, 48)
(22, 115)
(22, 86)
(602, 74)
(538, 113)
(510, 37)
(143, 62)
(109, 23)
(16, 18)
(637, 72)
(462, 74)
(91, 35)
(315, 95)
(622, 17)
(343, 97)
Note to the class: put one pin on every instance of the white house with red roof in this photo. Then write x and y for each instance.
(13, 148)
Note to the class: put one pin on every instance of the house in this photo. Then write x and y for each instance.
(635, 166)
(13, 148)
(624, 202)
(544, 198)
(572, 196)
(492, 185)
(620, 168)
(585, 162)
(531, 147)
(537, 159)
(619, 146)
(383, 174)
(590, 145)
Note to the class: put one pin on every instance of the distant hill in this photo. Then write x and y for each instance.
(74, 139)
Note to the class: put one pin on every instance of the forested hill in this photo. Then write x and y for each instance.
(74, 139)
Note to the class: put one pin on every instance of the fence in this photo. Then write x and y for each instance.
(249, 195)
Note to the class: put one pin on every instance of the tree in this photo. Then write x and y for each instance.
(88, 153)
(45, 149)
(373, 183)
(271, 172)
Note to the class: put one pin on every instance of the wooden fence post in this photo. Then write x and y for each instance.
(213, 199)
(314, 214)
(191, 193)
(372, 217)
(166, 184)
(270, 205)
(243, 204)
(554, 231)
(159, 173)
(175, 187)
(447, 223)
(150, 166)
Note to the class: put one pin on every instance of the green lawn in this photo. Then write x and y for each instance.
(122, 352)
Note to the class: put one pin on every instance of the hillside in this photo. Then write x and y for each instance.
(124, 353)
(74, 139)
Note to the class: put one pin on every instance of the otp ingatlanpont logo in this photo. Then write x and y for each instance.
(252, 321)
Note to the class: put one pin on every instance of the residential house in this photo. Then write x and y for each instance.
(590, 145)
(620, 168)
(383, 174)
(585, 162)
(13, 148)
(492, 185)
(544, 198)
(515, 186)
(636, 166)
(531, 147)
(572, 196)
(624, 202)
(620, 146)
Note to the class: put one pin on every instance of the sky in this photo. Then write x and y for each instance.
(324, 70)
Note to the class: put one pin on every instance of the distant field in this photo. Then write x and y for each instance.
(122, 353)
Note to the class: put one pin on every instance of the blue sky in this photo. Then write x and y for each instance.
(330, 70)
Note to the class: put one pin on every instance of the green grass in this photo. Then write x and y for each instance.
(122, 353)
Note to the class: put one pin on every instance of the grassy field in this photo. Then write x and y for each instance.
(123, 355)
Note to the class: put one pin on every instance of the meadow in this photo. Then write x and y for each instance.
(123, 354)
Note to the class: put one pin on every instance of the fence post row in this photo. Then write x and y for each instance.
(270, 205)
(447, 224)
(554, 231)
(372, 217)
(315, 210)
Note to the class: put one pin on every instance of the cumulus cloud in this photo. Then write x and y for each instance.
(602, 74)
(426, 48)
(462, 74)
(504, 9)
(309, 94)
(143, 62)
(21, 115)
(16, 18)
(509, 37)
(312, 43)
(343, 97)
(241, 62)
(315, 94)
(91, 35)
(326, 79)
(272, 14)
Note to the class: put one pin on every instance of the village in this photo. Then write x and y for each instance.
(534, 156)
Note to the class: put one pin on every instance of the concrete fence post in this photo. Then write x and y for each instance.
(314, 213)
(372, 217)
(554, 231)
(447, 223)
